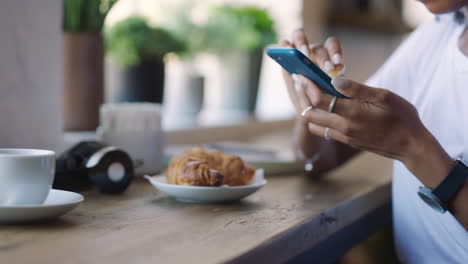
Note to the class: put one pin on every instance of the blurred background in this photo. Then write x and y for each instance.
(378, 24)
(203, 60)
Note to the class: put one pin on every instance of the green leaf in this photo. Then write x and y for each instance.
(133, 40)
(72, 14)
(245, 28)
(85, 15)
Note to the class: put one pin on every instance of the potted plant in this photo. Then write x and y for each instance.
(185, 84)
(237, 36)
(136, 50)
(83, 56)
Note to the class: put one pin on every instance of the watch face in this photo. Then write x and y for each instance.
(430, 200)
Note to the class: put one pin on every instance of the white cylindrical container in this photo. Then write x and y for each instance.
(135, 128)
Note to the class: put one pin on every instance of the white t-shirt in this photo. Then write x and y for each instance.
(429, 71)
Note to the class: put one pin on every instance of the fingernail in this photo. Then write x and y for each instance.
(305, 50)
(294, 77)
(328, 66)
(340, 83)
(336, 58)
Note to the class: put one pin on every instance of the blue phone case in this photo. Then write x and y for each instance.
(294, 61)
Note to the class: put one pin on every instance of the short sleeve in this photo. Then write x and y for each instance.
(399, 71)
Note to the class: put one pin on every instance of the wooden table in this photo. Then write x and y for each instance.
(290, 216)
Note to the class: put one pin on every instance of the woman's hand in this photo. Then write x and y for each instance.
(324, 154)
(328, 56)
(379, 121)
(374, 119)
(382, 122)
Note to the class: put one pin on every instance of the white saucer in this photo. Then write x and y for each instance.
(208, 194)
(58, 203)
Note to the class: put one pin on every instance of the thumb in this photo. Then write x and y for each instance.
(356, 90)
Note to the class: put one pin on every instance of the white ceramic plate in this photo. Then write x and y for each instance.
(57, 203)
(208, 194)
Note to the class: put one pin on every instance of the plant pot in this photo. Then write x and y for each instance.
(83, 56)
(253, 78)
(184, 94)
(234, 88)
(143, 82)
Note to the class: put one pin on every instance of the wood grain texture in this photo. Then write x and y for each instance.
(144, 226)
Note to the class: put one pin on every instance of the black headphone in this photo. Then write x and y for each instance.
(93, 163)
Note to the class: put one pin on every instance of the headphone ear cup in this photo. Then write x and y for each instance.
(70, 171)
(76, 157)
(113, 172)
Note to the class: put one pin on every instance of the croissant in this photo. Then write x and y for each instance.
(199, 167)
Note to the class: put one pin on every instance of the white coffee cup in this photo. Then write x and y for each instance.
(26, 176)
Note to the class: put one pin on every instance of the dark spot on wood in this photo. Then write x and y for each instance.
(9, 247)
(243, 222)
(324, 219)
(228, 223)
(119, 227)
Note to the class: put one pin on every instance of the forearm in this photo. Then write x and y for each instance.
(430, 163)
(332, 153)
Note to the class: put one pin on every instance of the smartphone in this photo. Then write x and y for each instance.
(294, 61)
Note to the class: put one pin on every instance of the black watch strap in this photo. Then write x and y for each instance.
(452, 183)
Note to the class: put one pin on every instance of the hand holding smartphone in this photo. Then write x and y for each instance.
(295, 62)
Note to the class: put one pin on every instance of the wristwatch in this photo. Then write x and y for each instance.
(439, 197)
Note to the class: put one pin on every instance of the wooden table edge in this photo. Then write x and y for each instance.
(371, 211)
